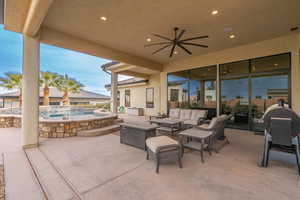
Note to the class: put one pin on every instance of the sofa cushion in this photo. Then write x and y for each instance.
(197, 114)
(191, 122)
(174, 113)
(185, 114)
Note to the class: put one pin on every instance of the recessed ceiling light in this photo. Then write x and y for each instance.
(103, 18)
(148, 39)
(214, 12)
(175, 52)
(232, 36)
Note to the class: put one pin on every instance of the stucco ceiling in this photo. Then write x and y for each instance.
(130, 22)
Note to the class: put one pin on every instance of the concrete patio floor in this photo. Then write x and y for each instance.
(102, 168)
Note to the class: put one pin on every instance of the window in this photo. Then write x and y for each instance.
(203, 91)
(233, 69)
(270, 63)
(194, 88)
(249, 87)
(174, 95)
(127, 98)
(118, 98)
(149, 97)
(178, 89)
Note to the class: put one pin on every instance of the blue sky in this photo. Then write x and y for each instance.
(82, 67)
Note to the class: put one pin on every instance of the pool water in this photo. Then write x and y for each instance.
(59, 112)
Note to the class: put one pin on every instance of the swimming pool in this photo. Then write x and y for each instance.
(59, 112)
(61, 121)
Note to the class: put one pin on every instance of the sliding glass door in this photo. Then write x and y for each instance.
(249, 87)
(235, 101)
(235, 93)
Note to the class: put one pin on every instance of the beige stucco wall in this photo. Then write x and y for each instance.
(138, 95)
(288, 43)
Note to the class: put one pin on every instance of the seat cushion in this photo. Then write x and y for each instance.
(198, 114)
(155, 144)
(191, 122)
(174, 113)
(204, 126)
(185, 114)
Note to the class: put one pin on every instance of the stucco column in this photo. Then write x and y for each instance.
(30, 93)
(295, 76)
(218, 92)
(163, 93)
(114, 92)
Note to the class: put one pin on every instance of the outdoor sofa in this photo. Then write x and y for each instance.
(189, 117)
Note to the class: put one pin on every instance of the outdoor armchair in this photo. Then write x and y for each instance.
(217, 126)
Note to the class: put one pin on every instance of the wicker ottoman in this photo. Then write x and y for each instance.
(163, 144)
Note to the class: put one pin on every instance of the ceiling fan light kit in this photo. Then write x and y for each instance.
(177, 41)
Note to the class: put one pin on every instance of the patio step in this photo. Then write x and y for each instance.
(20, 180)
(50, 178)
(99, 131)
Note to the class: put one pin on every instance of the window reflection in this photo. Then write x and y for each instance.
(266, 91)
(270, 63)
(235, 101)
(203, 87)
(235, 68)
(178, 90)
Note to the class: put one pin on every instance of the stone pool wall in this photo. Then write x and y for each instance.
(10, 121)
(61, 128)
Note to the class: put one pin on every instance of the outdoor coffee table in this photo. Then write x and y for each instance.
(136, 134)
(197, 134)
(167, 125)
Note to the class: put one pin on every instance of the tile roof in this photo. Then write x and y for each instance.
(55, 93)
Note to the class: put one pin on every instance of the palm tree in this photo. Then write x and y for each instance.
(67, 85)
(12, 81)
(48, 79)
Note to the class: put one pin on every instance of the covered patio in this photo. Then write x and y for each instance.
(106, 29)
(101, 167)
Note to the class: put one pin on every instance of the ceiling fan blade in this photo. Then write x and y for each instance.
(172, 51)
(163, 37)
(175, 32)
(180, 35)
(195, 38)
(166, 46)
(158, 43)
(181, 46)
(194, 44)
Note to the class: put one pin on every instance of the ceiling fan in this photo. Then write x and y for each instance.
(176, 41)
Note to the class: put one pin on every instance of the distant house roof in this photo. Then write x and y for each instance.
(55, 93)
(129, 81)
